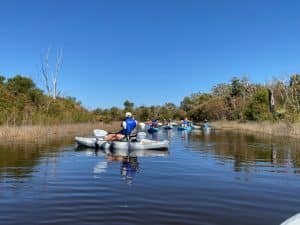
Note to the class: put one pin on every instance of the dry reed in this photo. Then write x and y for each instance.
(38, 132)
(276, 129)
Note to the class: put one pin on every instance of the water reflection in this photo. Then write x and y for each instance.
(128, 159)
(129, 168)
(249, 152)
(17, 160)
(154, 136)
(170, 133)
(184, 134)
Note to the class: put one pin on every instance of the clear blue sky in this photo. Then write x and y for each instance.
(149, 52)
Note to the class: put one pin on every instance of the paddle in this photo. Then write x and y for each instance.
(99, 134)
(129, 145)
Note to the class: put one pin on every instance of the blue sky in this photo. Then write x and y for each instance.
(149, 52)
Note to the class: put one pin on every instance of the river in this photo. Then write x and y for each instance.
(216, 178)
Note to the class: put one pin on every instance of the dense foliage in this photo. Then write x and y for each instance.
(21, 102)
(237, 100)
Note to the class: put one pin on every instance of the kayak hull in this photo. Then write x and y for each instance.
(143, 144)
(138, 153)
(86, 141)
(196, 127)
(184, 128)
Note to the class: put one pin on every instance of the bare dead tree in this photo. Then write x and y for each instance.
(55, 91)
(48, 74)
(271, 100)
(45, 72)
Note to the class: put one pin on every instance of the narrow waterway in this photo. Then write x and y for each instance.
(216, 178)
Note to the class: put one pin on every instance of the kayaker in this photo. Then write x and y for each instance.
(185, 122)
(154, 123)
(149, 122)
(129, 126)
(169, 123)
(205, 123)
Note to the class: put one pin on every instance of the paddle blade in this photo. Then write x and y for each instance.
(100, 133)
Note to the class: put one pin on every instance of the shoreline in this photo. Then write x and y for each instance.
(278, 129)
(37, 133)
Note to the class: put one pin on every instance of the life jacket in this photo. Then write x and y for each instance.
(184, 123)
(154, 123)
(130, 125)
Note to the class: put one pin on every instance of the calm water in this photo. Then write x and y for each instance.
(218, 178)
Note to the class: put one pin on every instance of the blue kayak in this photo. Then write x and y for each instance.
(168, 127)
(185, 128)
(152, 130)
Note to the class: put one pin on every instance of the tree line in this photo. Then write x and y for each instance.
(238, 99)
(23, 103)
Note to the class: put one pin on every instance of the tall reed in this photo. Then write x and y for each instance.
(277, 129)
(38, 132)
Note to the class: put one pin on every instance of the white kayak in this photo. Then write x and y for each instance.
(92, 142)
(86, 141)
(294, 220)
(143, 144)
(196, 127)
(138, 153)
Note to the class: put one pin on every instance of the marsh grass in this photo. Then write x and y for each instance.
(284, 129)
(43, 132)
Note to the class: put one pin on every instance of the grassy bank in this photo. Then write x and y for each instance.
(276, 129)
(43, 132)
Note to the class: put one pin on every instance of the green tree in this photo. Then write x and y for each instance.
(128, 106)
(2, 79)
(258, 108)
(186, 104)
(115, 113)
(237, 87)
(20, 84)
(143, 113)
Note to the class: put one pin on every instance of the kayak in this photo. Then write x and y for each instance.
(152, 130)
(138, 153)
(90, 142)
(196, 127)
(142, 144)
(294, 220)
(185, 128)
(168, 127)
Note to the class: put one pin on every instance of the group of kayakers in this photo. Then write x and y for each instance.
(129, 126)
(155, 123)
